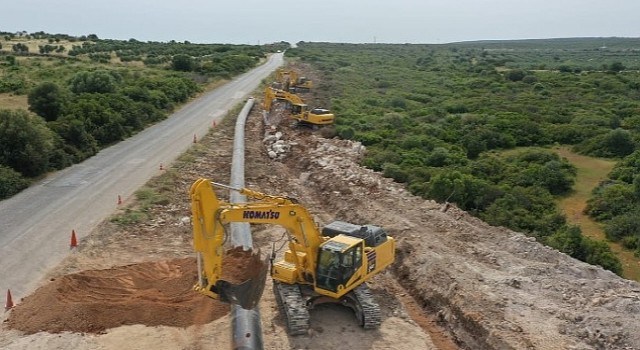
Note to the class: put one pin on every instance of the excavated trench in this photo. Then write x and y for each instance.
(466, 331)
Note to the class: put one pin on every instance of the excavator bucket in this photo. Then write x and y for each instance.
(247, 293)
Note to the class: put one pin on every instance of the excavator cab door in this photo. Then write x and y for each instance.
(336, 266)
(296, 109)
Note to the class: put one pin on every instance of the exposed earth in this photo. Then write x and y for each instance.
(457, 283)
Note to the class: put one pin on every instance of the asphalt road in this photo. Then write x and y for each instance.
(36, 225)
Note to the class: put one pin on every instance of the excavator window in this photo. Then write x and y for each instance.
(296, 109)
(351, 262)
(328, 269)
(320, 111)
(336, 268)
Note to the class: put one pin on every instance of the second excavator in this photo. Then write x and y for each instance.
(291, 81)
(331, 265)
(299, 110)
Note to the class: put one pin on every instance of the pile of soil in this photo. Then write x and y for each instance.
(151, 293)
(240, 265)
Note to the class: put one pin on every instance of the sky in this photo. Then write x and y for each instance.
(350, 21)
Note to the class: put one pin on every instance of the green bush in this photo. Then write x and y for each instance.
(11, 182)
(26, 142)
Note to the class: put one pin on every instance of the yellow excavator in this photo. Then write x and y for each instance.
(320, 266)
(291, 81)
(299, 110)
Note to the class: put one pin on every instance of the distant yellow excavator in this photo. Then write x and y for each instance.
(299, 109)
(328, 266)
(291, 81)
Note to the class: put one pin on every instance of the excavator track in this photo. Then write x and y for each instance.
(293, 307)
(367, 309)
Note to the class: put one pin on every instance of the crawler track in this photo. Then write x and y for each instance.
(292, 305)
(367, 309)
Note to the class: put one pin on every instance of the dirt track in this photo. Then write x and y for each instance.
(457, 283)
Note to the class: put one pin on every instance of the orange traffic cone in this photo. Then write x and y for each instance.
(195, 139)
(119, 200)
(9, 303)
(74, 240)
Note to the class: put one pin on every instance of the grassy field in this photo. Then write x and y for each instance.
(33, 44)
(590, 172)
(11, 101)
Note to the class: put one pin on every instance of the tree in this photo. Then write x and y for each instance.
(615, 143)
(79, 144)
(47, 100)
(555, 176)
(395, 172)
(619, 142)
(466, 191)
(11, 60)
(530, 210)
(177, 89)
(569, 240)
(183, 63)
(103, 115)
(616, 67)
(100, 81)
(624, 225)
(20, 48)
(627, 168)
(610, 200)
(599, 253)
(516, 75)
(25, 142)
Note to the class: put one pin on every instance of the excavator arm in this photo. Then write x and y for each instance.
(208, 240)
(209, 215)
(269, 95)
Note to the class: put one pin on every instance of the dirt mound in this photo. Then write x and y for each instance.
(152, 294)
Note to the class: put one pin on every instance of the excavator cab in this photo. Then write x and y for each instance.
(337, 263)
(298, 108)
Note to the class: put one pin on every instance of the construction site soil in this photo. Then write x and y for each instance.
(152, 293)
(457, 283)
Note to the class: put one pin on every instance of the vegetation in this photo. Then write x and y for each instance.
(86, 93)
(468, 123)
(616, 203)
(146, 199)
